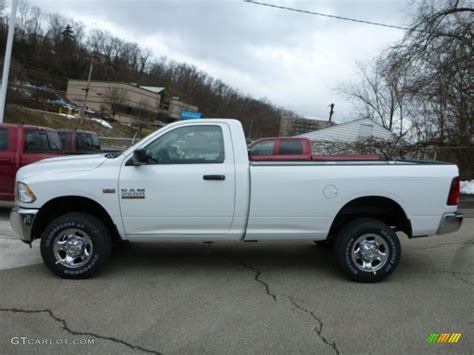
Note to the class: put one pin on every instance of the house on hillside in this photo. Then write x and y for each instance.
(128, 101)
(344, 134)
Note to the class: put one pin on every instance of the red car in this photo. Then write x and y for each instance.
(294, 148)
(21, 145)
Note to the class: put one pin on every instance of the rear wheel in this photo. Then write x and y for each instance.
(367, 250)
(75, 245)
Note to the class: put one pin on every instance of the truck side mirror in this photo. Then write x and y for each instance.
(139, 157)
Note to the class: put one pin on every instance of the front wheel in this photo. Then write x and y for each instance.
(367, 250)
(75, 245)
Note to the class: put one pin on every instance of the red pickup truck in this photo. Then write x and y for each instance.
(21, 145)
(295, 148)
(79, 141)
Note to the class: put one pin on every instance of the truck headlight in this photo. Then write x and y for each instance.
(25, 194)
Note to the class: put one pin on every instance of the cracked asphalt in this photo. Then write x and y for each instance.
(238, 298)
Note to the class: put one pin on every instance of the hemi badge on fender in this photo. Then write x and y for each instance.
(133, 193)
(108, 191)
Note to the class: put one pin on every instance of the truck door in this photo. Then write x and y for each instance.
(7, 163)
(39, 144)
(187, 187)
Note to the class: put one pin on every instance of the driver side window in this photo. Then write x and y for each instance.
(188, 145)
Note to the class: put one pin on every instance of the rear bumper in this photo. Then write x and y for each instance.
(450, 222)
(22, 221)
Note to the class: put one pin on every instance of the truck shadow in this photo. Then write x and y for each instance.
(5, 213)
(263, 256)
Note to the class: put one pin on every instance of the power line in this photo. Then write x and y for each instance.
(327, 15)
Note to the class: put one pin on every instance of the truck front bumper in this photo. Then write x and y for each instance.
(450, 222)
(22, 221)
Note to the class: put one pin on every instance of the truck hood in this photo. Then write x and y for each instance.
(62, 165)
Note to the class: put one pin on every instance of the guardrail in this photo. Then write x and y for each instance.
(117, 143)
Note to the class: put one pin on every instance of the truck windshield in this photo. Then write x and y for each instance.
(263, 148)
(87, 142)
(41, 141)
(95, 141)
(63, 136)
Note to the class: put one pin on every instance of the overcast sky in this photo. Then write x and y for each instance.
(293, 59)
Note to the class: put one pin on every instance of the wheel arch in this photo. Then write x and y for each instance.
(66, 204)
(378, 207)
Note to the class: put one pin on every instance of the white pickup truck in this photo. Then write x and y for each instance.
(192, 181)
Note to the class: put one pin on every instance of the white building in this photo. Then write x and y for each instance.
(348, 132)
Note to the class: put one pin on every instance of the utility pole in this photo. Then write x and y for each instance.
(331, 112)
(7, 60)
(91, 67)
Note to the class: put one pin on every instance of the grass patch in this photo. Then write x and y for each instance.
(18, 114)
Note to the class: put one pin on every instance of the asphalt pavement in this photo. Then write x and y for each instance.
(238, 298)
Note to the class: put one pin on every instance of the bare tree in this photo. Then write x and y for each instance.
(143, 114)
(427, 81)
(79, 33)
(437, 59)
(57, 23)
(23, 17)
(145, 55)
(377, 95)
(115, 97)
(2, 12)
(34, 25)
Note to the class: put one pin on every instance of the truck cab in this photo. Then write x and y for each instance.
(76, 141)
(296, 149)
(280, 148)
(21, 145)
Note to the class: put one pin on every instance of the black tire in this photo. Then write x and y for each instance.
(348, 244)
(98, 241)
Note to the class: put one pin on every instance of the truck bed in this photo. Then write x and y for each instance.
(351, 157)
(348, 162)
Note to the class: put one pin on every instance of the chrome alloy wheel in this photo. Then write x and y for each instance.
(370, 252)
(72, 248)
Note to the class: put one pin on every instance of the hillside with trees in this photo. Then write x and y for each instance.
(49, 49)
